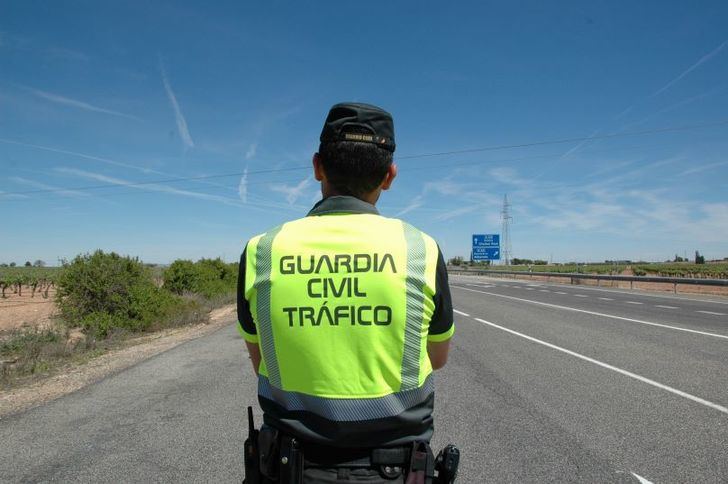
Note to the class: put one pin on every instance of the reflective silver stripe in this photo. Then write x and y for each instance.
(347, 409)
(263, 263)
(415, 306)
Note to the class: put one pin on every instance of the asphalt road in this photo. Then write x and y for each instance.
(550, 383)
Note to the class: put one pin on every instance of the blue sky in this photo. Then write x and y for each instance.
(94, 93)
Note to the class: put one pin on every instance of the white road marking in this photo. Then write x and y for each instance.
(529, 289)
(544, 290)
(641, 378)
(461, 313)
(560, 292)
(633, 302)
(567, 308)
(666, 307)
(580, 295)
(641, 479)
(606, 299)
(711, 312)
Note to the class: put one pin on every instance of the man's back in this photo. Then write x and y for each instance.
(342, 304)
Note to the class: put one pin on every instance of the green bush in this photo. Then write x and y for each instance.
(103, 291)
(209, 278)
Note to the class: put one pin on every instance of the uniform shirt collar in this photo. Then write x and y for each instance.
(342, 204)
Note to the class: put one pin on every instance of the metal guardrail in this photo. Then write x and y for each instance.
(575, 277)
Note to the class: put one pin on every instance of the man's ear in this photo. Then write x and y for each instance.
(389, 177)
(318, 169)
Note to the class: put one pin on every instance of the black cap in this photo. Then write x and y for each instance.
(361, 123)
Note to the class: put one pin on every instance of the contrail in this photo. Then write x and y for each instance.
(243, 186)
(150, 187)
(107, 161)
(56, 98)
(700, 62)
(179, 117)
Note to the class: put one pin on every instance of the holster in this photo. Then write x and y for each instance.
(422, 464)
(269, 450)
(291, 461)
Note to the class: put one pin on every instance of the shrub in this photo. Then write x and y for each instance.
(103, 291)
(210, 278)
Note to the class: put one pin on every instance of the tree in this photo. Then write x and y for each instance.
(456, 261)
(39, 263)
(699, 259)
(678, 259)
(12, 264)
(28, 264)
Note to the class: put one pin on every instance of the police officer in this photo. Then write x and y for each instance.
(345, 314)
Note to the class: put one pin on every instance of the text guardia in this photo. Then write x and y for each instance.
(326, 288)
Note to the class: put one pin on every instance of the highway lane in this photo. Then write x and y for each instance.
(521, 411)
(629, 423)
(693, 312)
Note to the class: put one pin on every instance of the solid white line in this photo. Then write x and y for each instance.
(666, 307)
(606, 299)
(633, 302)
(610, 367)
(567, 308)
(711, 312)
(461, 313)
(580, 295)
(641, 479)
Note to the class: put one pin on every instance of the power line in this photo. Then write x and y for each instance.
(408, 157)
(571, 140)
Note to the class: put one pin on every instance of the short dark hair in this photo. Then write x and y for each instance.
(354, 168)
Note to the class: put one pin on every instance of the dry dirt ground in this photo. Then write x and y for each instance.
(136, 349)
(19, 311)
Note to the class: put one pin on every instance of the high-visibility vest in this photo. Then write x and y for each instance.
(342, 305)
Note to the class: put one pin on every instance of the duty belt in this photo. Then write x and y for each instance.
(322, 456)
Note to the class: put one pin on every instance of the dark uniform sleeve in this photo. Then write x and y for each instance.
(441, 327)
(245, 317)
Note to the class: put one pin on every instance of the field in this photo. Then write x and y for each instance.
(51, 317)
(702, 271)
(27, 297)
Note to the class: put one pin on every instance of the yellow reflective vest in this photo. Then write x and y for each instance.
(342, 303)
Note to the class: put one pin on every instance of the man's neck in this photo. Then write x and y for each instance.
(371, 197)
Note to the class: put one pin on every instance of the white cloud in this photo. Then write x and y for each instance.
(292, 193)
(58, 99)
(153, 187)
(82, 155)
(450, 214)
(43, 186)
(243, 186)
(687, 71)
(414, 204)
(182, 129)
(251, 151)
(12, 196)
(701, 168)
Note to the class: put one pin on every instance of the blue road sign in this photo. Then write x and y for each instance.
(486, 247)
(486, 240)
